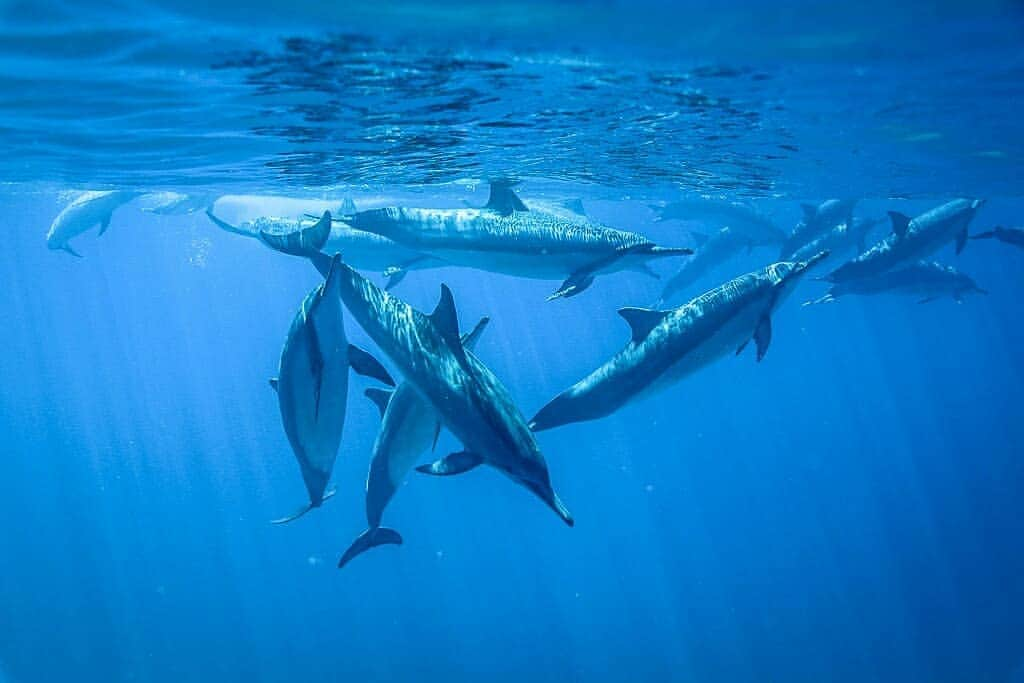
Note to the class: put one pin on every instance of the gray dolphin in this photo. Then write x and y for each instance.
(471, 401)
(409, 425)
(1014, 236)
(912, 240)
(927, 280)
(87, 210)
(817, 221)
(842, 242)
(756, 228)
(363, 250)
(669, 345)
(505, 236)
(711, 252)
(312, 385)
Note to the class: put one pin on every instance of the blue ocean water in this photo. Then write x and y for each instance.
(846, 510)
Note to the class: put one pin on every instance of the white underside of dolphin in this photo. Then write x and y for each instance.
(88, 210)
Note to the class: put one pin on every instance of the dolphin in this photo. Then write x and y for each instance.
(409, 425)
(711, 252)
(927, 280)
(842, 242)
(176, 203)
(756, 228)
(1014, 236)
(87, 210)
(505, 236)
(818, 221)
(362, 250)
(912, 240)
(471, 401)
(667, 346)
(312, 385)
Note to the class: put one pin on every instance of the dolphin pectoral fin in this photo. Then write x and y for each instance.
(641, 321)
(224, 225)
(304, 509)
(68, 249)
(961, 240)
(502, 199)
(366, 365)
(273, 383)
(394, 275)
(573, 285)
(645, 269)
(453, 463)
(380, 398)
(437, 435)
(927, 299)
(742, 346)
(371, 538)
(763, 336)
(900, 223)
(987, 235)
(105, 223)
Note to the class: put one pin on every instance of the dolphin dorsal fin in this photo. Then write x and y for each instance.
(446, 319)
(900, 223)
(273, 383)
(503, 200)
(380, 397)
(810, 211)
(642, 321)
(575, 205)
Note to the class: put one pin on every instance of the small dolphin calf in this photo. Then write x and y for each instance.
(669, 345)
(363, 250)
(470, 400)
(87, 210)
(711, 252)
(912, 240)
(508, 237)
(756, 228)
(818, 221)
(929, 281)
(1014, 236)
(409, 425)
(312, 385)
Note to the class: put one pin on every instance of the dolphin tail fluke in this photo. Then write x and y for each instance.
(371, 538)
(304, 509)
(68, 249)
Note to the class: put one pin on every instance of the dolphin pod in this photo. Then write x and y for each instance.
(470, 401)
(507, 236)
(927, 280)
(666, 346)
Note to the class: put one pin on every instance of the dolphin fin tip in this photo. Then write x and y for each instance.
(371, 538)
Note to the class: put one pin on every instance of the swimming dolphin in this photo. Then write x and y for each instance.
(409, 425)
(669, 345)
(912, 240)
(505, 236)
(363, 250)
(470, 400)
(924, 279)
(175, 203)
(842, 242)
(756, 228)
(1014, 236)
(312, 385)
(818, 221)
(87, 210)
(711, 252)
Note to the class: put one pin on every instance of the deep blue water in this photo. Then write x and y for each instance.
(849, 509)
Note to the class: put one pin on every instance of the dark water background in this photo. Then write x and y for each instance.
(847, 510)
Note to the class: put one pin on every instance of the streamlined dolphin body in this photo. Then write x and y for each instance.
(912, 240)
(1014, 236)
(711, 253)
(842, 242)
(409, 425)
(818, 221)
(363, 250)
(176, 203)
(757, 229)
(312, 385)
(926, 280)
(87, 210)
(508, 237)
(669, 345)
(470, 400)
